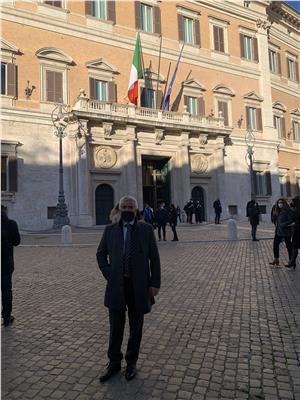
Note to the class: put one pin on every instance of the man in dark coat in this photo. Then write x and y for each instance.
(129, 260)
(218, 210)
(161, 218)
(252, 212)
(10, 237)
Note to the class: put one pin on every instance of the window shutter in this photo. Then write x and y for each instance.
(159, 99)
(223, 106)
(56, 3)
(254, 183)
(197, 31)
(270, 63)
(255, 49)
(258, 119)
(111, 11)
(221, 38)
(186, 101)
(242, 45)
(157, 20)
(274, 121)
(58, 87)
(50, 86)
(180, 28)
(201, 107)
(92, 89)
(216, 38)
(12, 80)
(137, 6)
(297, 71)
(283, 127)
(279, 63)
(268, 183)
(143, 98)
(88, 7)
(112, 92)
(13, 174)
(247, 117)
(288, 69)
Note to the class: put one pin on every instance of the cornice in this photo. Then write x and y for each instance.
(19, 115)
(284, 38)
(102, 37)
(283, 88)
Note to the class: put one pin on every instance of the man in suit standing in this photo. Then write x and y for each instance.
(129, 260)
(218, 210)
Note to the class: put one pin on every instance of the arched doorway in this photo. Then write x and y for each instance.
(198, 194)
(104, 201)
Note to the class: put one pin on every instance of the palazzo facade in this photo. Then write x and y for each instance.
(238, 73)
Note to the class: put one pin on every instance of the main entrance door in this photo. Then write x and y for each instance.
(198, 194)
(104, 200)
(156, 180)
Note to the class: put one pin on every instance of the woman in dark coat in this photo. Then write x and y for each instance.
(295, 206)
(173, 222)
(282, 217)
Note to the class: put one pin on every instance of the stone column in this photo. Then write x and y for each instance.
(183, 164)
(85, 195)
(220, 175)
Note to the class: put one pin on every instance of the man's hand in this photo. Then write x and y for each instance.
(153, 291)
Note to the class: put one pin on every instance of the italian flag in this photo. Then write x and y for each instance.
(135, 74)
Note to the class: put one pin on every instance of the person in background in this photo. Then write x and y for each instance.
(173, 222)
(10, 237)
(252, 212)
(218, 210)
(115, 214)
(129, 261)
(148, 214)
(295, 206)
(161, 219)
(189, 209)
(282, 218)
(198, 212)
(178, 210)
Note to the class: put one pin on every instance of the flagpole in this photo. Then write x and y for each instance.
(158, 72)
(162, 100)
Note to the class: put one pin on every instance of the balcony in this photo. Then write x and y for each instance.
(147, 117)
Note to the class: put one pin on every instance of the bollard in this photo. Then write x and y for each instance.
(232, 229)
(66, 235)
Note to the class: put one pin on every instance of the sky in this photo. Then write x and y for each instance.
(294, 4)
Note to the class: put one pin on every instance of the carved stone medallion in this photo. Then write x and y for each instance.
(199, 163)
(105, 157)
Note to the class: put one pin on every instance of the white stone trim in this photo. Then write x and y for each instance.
(221, 24)
(52, 11)
(54, 55)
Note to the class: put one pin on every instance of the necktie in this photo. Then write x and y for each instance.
(127, 251)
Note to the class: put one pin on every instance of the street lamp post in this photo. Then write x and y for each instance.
(250, 141)
(60, 120)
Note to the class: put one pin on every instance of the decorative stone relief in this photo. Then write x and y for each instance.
(264, 25)
(105, 157)
(199, 163)
(202, 140)
(108, 130)
(159, 135)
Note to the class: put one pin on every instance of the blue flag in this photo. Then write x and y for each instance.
(166, 103)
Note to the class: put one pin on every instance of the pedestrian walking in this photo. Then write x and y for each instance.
(161, 219)
(178, 210)
(252, 212)
(218, 210)
(148, 214)
(129, 260)
(10, 237)
(173, 222)
(198, 212)
(295, 206)
(282, 218)
(189, 210)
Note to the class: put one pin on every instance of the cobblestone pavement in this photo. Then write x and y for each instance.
(225, 325)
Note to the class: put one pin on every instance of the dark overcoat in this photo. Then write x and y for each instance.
(10, 237)
(144, 265)
(283, 222)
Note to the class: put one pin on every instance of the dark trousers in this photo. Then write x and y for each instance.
(6, 292)
(163, 228)
(217, 218)
(253, 231)
(190, 217)
(276, 242)
(173, 227)
(294, 256)
(117, 324)
(198, 217)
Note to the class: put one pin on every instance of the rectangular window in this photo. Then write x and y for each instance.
(54, 86)
(188, 30)
(192, 105)
(146, 18)
(148, 98)
(223, 108)
(278, 126)
(4, 173)
(298, 186)
(219, 39)
(260, 183)
(101, 90)
(252, 118)
(248, 54)
(3, 78)
(273, 59)
(292, 75)
(99, 9)
(296, 131)
(55, 3)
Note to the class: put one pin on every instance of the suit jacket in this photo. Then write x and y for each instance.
(144, 265)
(10, 237)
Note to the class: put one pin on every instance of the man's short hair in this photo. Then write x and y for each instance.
(128, 198)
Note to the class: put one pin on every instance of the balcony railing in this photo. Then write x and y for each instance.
(146, 115)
